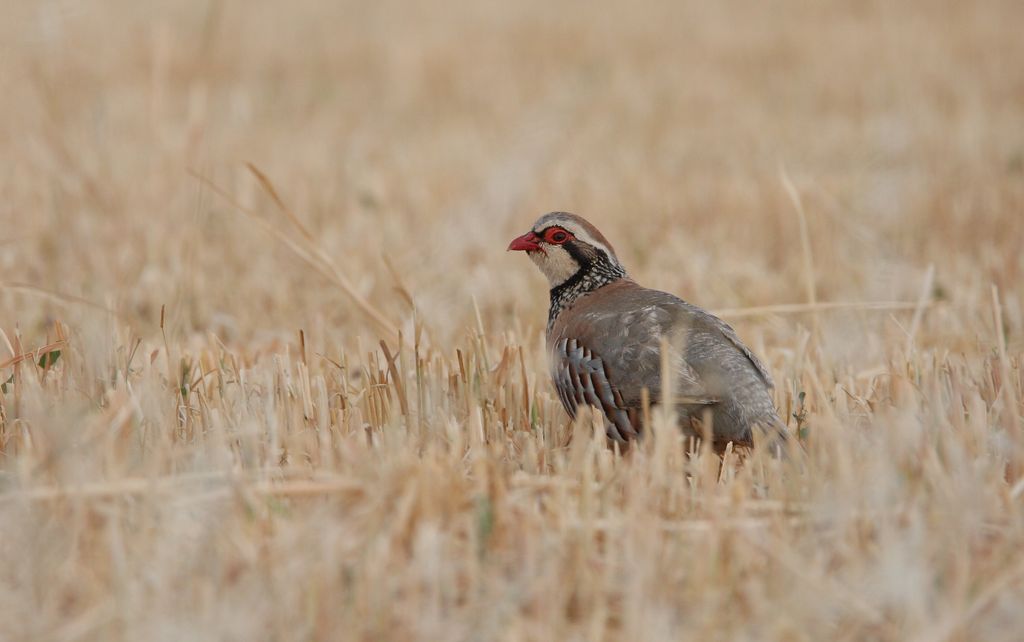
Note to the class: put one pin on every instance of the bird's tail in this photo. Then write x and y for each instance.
(776, 437)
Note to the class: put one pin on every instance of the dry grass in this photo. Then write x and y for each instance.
(225, 448)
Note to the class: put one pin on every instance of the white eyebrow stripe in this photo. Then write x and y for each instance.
(589, 240)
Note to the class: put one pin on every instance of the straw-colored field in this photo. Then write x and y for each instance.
(211, 429)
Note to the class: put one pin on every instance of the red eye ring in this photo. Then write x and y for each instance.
(556, 235)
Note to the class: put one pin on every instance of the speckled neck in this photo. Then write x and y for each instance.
(590, 277)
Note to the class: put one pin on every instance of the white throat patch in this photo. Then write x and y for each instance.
(555, 263)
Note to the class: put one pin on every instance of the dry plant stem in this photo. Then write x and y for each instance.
(808, 308)
(311, 254)
(53, 295)
(922, 304)
(395, 376)
(35, 355)
(805, 245)
(1008, 390)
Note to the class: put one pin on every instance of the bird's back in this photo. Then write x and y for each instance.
(622, 326)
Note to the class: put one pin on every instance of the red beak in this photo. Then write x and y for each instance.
(527, 242)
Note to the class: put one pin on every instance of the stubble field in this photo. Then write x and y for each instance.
(271, 375)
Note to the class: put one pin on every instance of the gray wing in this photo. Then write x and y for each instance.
(682, 322)
(581, 377)
(615, 357)
(734, 339)
(629, 345)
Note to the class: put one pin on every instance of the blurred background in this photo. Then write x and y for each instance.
(428, 134)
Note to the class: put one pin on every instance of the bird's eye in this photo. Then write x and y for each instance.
(556, 236)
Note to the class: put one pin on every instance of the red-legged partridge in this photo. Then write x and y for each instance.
(605, 335)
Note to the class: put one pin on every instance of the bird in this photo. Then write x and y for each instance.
(606, 334)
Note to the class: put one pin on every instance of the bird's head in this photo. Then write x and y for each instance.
(565, 246)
